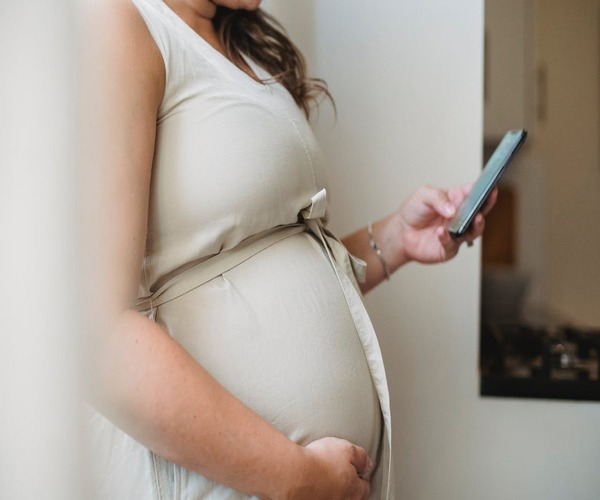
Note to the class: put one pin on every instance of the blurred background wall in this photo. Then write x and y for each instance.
(39, 433)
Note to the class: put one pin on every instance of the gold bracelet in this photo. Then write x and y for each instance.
(378, 251)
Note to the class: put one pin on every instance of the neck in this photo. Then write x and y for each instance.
(198, 14)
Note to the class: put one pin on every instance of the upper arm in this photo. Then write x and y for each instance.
(123, 85)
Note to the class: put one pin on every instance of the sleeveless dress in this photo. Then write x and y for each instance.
(241, 271)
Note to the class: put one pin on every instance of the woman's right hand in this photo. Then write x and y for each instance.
(336, 471)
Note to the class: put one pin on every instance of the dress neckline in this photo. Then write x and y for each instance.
(218, 57)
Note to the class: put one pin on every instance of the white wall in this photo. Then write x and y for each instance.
(39, 454)
(407, 78)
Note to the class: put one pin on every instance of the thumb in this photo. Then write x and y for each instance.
(441, 203)
(431, 199)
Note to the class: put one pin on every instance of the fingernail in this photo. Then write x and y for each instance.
(449, 208)
(369, 464)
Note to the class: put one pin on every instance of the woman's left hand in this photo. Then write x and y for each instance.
(421, 223)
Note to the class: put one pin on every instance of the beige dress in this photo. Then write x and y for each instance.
(241, 272)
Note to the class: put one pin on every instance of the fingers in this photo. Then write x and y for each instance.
(476, 229)
(361, 461)
(364, 489)
(490, 202)
(451, 245)
(363, 465)
(342, 469)
(458, 194)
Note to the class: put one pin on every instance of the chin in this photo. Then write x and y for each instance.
(238, 4)
(250, 4)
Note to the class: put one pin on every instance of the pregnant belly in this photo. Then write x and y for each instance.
(277, 333)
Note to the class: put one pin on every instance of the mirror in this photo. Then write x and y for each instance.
(540, 291)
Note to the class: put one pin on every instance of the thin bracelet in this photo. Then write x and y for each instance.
(378, 251)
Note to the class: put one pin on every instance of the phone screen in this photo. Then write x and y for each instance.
(489, 177)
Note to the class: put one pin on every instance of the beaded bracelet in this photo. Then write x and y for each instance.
(378, 251)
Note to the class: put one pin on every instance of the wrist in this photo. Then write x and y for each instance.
(378, 251)
(293, 475)
(400, 230)
(389, 233)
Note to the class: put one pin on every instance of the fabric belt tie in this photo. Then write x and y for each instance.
(313, 216)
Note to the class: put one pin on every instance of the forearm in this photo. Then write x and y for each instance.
(159, 394)
(386, 232)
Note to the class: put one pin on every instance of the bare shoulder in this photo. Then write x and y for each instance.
(118, 44)
(122, 86)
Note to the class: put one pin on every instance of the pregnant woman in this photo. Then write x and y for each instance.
(245, 364)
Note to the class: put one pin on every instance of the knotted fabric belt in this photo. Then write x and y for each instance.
(199, 274)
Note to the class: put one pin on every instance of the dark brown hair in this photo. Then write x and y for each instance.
(260, 37)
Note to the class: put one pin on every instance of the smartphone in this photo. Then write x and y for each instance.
(494, 168)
